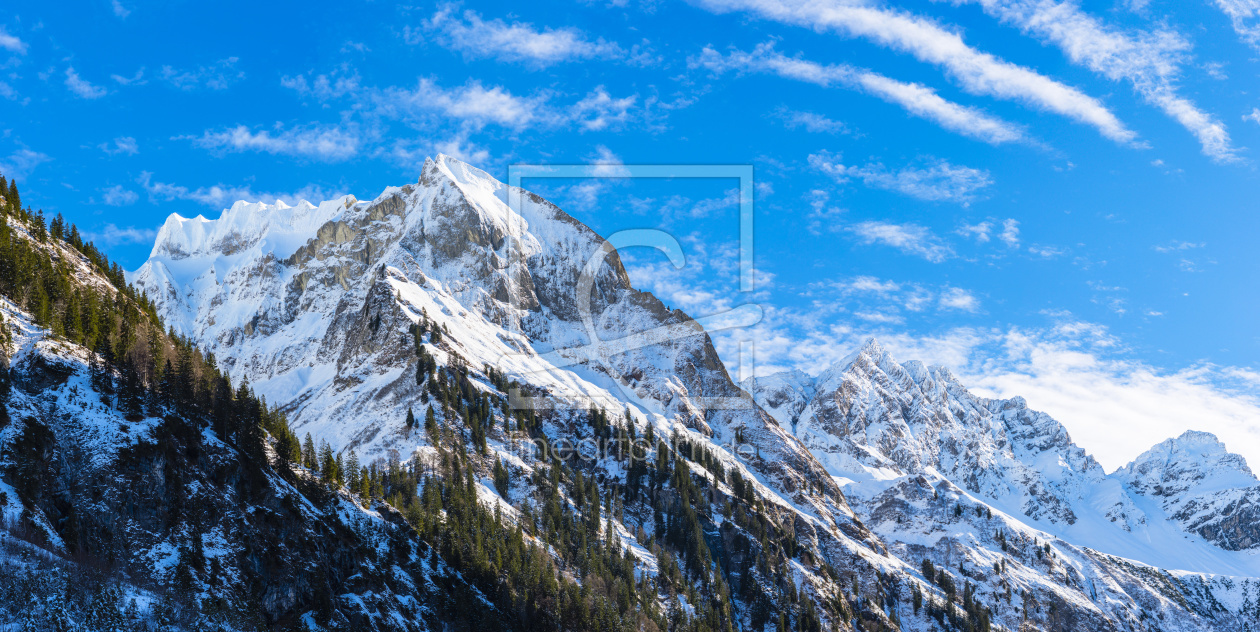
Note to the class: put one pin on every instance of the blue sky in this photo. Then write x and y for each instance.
(1056, 200)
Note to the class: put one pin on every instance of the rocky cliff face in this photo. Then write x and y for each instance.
(317, 307)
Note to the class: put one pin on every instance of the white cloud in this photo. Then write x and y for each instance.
(216, 76)
(810, 121)
(1150, 61)
(874, 285)
(1245, 17)
(11, 43)
(822, 211)
(1010, 233)
(938, 181)
(1179, 245)
(879, 317)
(599, 111)
(412, 154)
(516, 42)
(323, 87)
(472, 103)
(1253, 116)
(81, 86)
(121, 145)
(112, 235)
(1048, 252)
(21, 163)
(606, 163)
(118, 196)
(908, 238)
(327, 143)
(477, 105)
(977, 72)
(959, 299)
(1117, 408)
(917, 99)
(222, 196)
(979, 231)
(119, 10)
(136, 79)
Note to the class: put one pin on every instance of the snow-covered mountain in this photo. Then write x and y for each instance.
(832, 491)
(1202, 488)
(875, 423)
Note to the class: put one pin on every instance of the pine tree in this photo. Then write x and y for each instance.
(431, 426)
(352, 472)
(308, 453)
(501, 481)
(411, 419)
(326, 463)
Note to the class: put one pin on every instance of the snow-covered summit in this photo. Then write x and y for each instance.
(1195, 461)
(242, 226)
(1201, 486)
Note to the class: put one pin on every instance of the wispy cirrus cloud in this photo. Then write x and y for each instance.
(82, 87)
(118, 195)
(1177, 246)
(937, 181)
(599, 110)
(909, 238)
(217, 76)
(478, 105)
(20, 164)
(956, 298)
(1149, 60)
(1010, 233)
(121, 145)
(916, 99)
(475, 37)
(976, 71)
(112, 235)
(329, 143)
(11, 43)
(1245, 17)
(472, 103)
(810, 121)
(222, 196)
(339, 83)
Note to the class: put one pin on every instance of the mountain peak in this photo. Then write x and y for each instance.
(1194, 460)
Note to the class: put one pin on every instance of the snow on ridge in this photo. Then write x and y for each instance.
(244, 225)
